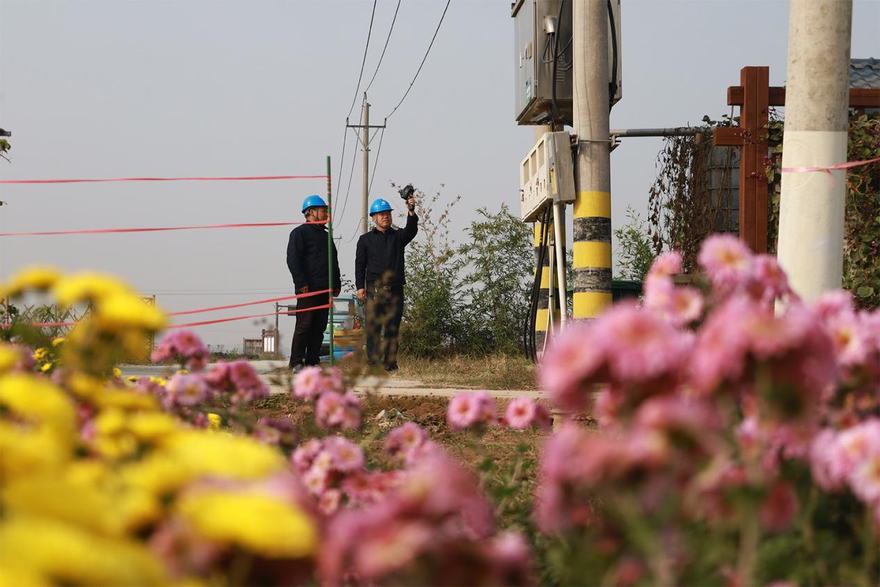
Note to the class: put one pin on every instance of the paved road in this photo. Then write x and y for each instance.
(390, 386)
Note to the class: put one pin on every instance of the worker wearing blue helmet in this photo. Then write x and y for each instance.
(379, 277)
(308, 264)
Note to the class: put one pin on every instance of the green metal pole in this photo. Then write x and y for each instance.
(330, 254)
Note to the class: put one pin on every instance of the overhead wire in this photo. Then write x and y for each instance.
(388, 38)
(439, 24)
(364, 61)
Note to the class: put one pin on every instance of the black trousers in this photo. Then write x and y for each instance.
(308, 334)
(384, 311)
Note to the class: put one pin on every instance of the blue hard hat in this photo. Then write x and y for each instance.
(379, 205)
(313, 201)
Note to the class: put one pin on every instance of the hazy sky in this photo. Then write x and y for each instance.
(101, 88)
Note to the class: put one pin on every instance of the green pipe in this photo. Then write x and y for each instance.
(330, 254)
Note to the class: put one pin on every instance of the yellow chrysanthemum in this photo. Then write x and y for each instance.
(28, 451)
(152, 426)
(158, 381)
(9, 357)
(36, 399)
(81, 287)
(117, 373)
(87, 472)
(62, 554)
(84, 386)
(223, 455)
(36, 277)
(45, 368)
(157, 474)
(125, 399)
(17, 577)
(270, 527)
(113, 439)
(58, 341)
(214, 421)
(40, 353)
(126, 310)
(51, 496)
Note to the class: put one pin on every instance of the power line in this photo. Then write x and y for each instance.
(348, 189)
(364, 62)
(423, 61)
(388, 38)
(376, 162)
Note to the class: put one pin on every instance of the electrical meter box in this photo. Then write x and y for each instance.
(546, 175)
(543, 51)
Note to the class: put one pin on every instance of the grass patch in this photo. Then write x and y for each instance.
(489, 372)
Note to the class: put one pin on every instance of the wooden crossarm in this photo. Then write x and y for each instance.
(858, 97)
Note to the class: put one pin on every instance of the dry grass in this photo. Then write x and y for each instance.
(490, 372)
(458, 372)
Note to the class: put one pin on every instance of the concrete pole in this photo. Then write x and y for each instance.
(366, 171)
(812, 205)
(592, 207)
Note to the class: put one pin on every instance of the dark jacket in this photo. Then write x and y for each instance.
(307, 258)
(381, 253)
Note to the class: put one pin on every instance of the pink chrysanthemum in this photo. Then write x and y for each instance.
(309, 383)
(347, 456)
(685, 306)
(666, 265)
(520, 413)
(184, 346)
(305, 454)
(463, 411)
(243, 375)
(570, 365)
(186, 390)
(640, 347)
(727, 261)
(770, 281)
(405, 438)
(865, 479)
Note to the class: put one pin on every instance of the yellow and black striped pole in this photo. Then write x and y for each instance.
(592, 207)
(592, 253)
(544, 295)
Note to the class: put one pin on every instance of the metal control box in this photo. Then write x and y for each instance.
(546, 175)
(539, 26)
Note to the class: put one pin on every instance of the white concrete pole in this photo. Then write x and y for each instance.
(816, 111)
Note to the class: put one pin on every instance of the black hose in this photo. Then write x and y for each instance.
(530, 343)
(612, 85)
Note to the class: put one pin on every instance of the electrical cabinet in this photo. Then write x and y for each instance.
(543, 52)
(546, 175)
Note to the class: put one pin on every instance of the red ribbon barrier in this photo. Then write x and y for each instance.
(830, 168)
(287, 313)
(242, 178)
(159, 229)
(229, 307)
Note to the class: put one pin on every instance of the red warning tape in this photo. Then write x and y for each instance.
(229, 307)
(159, 229)
(191, 324)
(243, 178)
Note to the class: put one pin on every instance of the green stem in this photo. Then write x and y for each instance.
(748, 547)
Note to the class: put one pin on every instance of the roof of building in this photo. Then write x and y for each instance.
(864, 73)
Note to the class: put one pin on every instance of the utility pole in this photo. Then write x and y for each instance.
(366, 171)
(365, 144)
(811, 213)
(592, 207)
